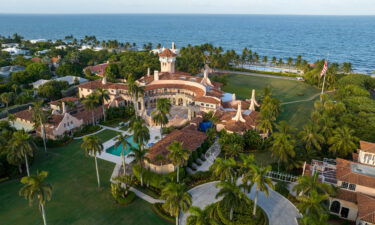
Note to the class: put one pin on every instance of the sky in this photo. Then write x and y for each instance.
(300, 7)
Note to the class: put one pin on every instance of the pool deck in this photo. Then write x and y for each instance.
(154, 133)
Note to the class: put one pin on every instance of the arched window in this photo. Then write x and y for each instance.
(335, 207)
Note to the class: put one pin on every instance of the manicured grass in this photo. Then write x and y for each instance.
(284, 90)
(76, 199)
(297, 114)
(105, 135)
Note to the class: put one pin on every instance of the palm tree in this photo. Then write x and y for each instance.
(312, 204)
(103, 95)
(311, 219)
(178, 155)
(21, 146)
(306, 184)
(201, 217)
(311, 137)
(176, 198)
(139, 157)
(283, 143)
(90, 103)
(123, 141)
(128, 180)
(134, 90)
(93, 146)
(232, 195)
(6, 98)
(35, 188)
(246, 171)
(343, 141)
(261, 182)
(224, 169)
(141, 134)
(40, 118)
(11, 118)
(163, 106)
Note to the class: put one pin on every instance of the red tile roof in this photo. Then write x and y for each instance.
(36, 59)
(225, 118)
(207, 99)
(367, 146)
(167, 53)
(349, 196)
(24, 114)
(98, 69)
(196, 90)
(98, 84)
(66, 99)
(366, 208)
(189, 136)
(344, 173)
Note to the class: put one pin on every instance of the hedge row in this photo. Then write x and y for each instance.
(158, 209)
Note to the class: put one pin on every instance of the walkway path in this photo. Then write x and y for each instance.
(96, 132)
(210, 156)
(280, 211)
(145, 197)
(256, 74)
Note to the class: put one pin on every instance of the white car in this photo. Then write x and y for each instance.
(299, 78)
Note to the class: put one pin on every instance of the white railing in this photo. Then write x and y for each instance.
(282, 176)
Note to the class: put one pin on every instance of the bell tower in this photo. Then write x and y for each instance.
(167, 61)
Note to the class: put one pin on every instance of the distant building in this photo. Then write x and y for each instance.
(355, 179)
(15, 51)
(7, 70)
(10, 45)
(34, 41)
(98, 70)
(70, 79)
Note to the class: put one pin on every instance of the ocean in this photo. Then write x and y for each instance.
(340, 38)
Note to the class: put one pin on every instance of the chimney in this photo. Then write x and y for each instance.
(233, 97)
(253, 101)
(156, 75)
(173, 46)
(104, 80)
(148, 71)
(238, 117)
(63, 107)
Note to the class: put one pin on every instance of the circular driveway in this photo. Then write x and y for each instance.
(280, 211)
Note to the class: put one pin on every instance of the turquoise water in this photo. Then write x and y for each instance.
(117, 151)
(345, 38)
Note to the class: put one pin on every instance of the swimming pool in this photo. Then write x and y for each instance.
(117, 150)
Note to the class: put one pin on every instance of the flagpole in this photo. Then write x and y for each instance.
(324, 78)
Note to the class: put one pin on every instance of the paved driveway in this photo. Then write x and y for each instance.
(280, 211)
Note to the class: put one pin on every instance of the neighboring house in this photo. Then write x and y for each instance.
(64, 119)
(355, 179)
(84, 47)
(42, 52)
(190, 138)
(15, 51)
(98, 70)
(70, 79)
(56, 61)
(10, 45)
(7, 70)
(34, 41)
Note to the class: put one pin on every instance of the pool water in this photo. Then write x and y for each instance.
(117, 150)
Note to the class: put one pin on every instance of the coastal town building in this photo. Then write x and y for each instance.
(98, 70)
(7, 70)
(355, 180)
(70, 79)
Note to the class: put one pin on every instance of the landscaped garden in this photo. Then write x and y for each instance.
(76, 198)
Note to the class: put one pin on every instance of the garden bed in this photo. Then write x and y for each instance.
(158, 209)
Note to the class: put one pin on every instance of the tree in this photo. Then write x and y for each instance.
(123, 141)
(311, 137)
(141, 134)
(224, 169)
(343, 141)
(90, 103)
(93, 146)
(38, 70)
(21, 146)
(306, 184)
(52, 89)
(232, 195)
(163, 107)
(178, 155)
(40, 118)
(283, 143)
(35, 188)
(261, 182)
(201, 217)
(347, 67)
(139, 157)
(312, 204)
(176, 198)
(112, 71)
(6, 98)
(103, 95)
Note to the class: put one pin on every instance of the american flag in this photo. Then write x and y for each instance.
(325, 68)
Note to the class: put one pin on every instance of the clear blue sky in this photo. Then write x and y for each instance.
(310, 7)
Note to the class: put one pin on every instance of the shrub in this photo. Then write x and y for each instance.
(120, 196)
(199, 178)
(53, 143)
(159, 210)
(88, 129)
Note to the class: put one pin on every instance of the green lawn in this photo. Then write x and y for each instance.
(76, 199)
(285, 90)
(105, 135)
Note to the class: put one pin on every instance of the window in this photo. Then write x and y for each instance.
(344, 212)
(71, 122)
(352, 187)
(335, 207)
(344, 185)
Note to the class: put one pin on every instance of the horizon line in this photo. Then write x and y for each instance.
(232, 14)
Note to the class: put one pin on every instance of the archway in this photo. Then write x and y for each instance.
(335, 207)
(180, 101)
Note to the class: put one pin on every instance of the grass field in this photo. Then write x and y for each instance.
(76, 199)
(285, 90)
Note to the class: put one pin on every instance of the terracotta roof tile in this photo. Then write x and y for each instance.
(366, 208)
(98, 69)
(167, 53)
(98, 84)
(66, 99)
(367, 146)
(344, 173)
(189, 136)
(207, 99)
(349, 196)
(24, 114)
(225, 118)
(196, 90)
